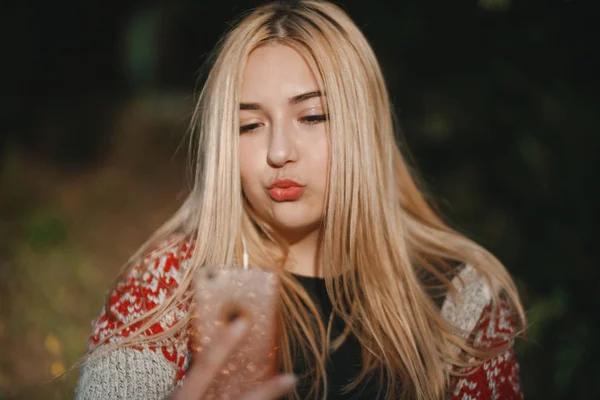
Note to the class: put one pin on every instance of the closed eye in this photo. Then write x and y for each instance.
(249, 127)
(314, 119)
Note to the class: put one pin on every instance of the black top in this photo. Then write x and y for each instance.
(345, 363)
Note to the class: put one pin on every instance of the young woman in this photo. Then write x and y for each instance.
(299, 169)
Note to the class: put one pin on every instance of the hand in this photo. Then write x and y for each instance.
(203, 371)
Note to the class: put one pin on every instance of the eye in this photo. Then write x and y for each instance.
(249, 127)
(314, 119)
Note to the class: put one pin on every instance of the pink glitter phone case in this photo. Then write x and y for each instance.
(222, 294)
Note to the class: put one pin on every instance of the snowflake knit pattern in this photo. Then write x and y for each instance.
(156, 368)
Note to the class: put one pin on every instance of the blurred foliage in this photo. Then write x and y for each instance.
(498, 101)
(46, 230)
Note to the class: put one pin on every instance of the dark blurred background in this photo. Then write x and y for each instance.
(498, 100)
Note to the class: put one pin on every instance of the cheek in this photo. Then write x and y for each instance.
(245, 157)
(320, 162)
(246, 174)
(250, 169)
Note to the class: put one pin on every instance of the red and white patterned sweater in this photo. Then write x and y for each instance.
(153, 372)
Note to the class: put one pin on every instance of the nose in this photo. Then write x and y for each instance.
(281, 145)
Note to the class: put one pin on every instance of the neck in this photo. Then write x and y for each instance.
(303, 255)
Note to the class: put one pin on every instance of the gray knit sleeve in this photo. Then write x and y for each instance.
(152, 369)
(127, 373)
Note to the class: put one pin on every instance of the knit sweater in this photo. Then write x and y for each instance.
(154, 371)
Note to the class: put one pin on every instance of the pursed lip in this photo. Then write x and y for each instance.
(284, 184)
(283, 190)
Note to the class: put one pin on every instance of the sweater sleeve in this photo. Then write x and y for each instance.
(487, 327)
(127, 373)
(146, 370)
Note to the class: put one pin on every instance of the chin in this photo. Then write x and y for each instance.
(294, 223)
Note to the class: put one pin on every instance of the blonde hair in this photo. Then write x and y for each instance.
(379, 235)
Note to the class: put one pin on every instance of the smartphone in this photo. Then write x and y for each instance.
(224, 293)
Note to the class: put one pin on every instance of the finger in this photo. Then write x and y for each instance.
(203, 371)
(273, 388)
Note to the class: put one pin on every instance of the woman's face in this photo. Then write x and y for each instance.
(284, 151)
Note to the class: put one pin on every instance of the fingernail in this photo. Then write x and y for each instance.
(238, 327)
(288, 380)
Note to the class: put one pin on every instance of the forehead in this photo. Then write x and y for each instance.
(276, 70)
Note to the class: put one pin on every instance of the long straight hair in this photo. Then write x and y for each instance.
(379, 235)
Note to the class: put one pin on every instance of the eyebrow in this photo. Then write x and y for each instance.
(292, 101)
